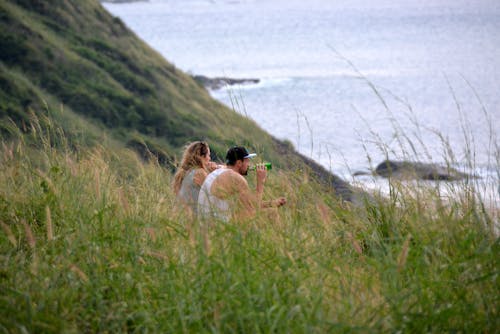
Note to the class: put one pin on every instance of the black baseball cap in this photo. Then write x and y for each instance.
(236, 153)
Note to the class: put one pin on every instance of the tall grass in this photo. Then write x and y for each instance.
(91, 242)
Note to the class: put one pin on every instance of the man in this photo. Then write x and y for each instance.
(225, 192)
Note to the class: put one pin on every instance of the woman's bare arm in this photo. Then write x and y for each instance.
(199, 176)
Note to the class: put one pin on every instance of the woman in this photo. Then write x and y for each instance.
(194, 168)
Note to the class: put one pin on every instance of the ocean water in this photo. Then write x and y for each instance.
(348, 83)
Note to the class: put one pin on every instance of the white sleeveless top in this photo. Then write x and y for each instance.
(210, 206)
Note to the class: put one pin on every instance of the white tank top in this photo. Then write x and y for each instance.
(210, 206)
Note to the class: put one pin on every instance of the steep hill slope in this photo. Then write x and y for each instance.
(75, 60)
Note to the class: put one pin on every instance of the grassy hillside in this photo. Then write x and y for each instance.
(74, 56)
(90, 62)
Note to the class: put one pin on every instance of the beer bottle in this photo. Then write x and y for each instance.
(267, 165)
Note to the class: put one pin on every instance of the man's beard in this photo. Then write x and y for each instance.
(243, 172)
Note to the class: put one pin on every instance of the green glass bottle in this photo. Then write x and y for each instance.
(268, 166)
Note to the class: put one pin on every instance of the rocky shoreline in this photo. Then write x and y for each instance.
(220, 82)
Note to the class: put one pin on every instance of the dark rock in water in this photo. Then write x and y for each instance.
(419, 170)
(219, 82)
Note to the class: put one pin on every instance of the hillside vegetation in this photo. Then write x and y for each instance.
(91, 241)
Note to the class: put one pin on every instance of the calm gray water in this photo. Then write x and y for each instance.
(345, 80)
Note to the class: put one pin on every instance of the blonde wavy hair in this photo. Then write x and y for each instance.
(191, 158)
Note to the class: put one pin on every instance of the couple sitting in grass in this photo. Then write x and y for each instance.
(212, 191)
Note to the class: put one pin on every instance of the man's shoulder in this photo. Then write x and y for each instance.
(230, 179)
(212, 176)
(231, 174)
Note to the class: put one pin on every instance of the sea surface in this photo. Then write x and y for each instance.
(348, 83)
